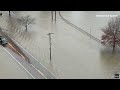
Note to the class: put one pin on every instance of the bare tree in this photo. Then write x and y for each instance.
(26, 21)
(112, 33)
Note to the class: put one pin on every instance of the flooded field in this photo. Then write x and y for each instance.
(74, 55)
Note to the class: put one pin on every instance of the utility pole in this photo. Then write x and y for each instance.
(52, 15)
(9, 13)
(55, 16)
(49, 34)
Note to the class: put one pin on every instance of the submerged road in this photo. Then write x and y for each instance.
(34, 68)
(82, 31)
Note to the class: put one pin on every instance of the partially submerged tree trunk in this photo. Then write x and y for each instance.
(114, 44)
(52, 15)
(26, 28)
(9, 13)
(113, 49)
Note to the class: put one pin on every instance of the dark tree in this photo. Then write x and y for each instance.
(26, 21)
(112, 33)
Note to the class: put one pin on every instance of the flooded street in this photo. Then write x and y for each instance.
(9, 68)
(74, 55)
(88, 21)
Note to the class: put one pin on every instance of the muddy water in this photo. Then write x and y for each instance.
(9, 68)
(89, 21)
(74, 55)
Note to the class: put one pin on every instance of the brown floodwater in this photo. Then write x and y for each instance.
(74, 55)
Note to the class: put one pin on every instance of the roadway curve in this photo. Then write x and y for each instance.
(78, 28)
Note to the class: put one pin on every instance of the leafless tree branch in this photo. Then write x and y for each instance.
(112, 33)
(26, 21)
